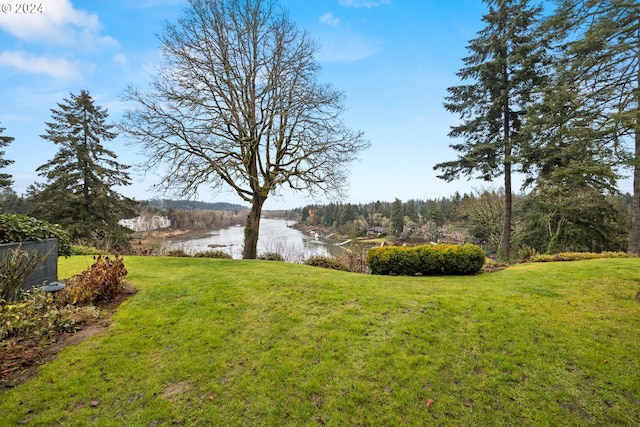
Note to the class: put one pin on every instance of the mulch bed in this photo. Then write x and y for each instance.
(20, 357)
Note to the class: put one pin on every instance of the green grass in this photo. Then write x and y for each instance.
(243, 343)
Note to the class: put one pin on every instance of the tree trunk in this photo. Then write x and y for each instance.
(505, 250)
(506, 225)
(252, 228)
(634, 233)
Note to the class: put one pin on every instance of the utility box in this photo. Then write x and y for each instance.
(47, 271)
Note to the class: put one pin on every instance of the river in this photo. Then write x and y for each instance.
(276, 235)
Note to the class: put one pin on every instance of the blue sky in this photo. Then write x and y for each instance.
(393, 59)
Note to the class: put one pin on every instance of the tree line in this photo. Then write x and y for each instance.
(185, 215)
(596, 225)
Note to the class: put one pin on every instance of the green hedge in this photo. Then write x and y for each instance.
(426, 260)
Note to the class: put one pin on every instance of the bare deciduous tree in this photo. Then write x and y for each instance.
(237, 103)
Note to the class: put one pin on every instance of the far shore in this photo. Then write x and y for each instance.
(177, 234)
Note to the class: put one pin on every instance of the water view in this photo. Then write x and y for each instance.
(276, 236)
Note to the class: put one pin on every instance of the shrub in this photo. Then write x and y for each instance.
(355, 260)
(491, 266)
(37, 315)
(178, 253)
(212, 254)
(526, 253)
(87, 250)
(17, 265)
(22, 228)
(431, 261)
(578, 256)
(102, 281)
(426, 260)
(271, 256)
(326, 262)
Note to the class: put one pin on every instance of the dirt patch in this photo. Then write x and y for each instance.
(173, 389)
(20, 358)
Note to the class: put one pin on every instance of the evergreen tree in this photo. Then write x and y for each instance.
(574, 171)
(397, 217)
(411, 210)
(603, 53)
(5, 179)
(568, 144)
(79, 193)
(503, 71)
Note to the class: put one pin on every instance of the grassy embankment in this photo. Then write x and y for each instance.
(227, 342)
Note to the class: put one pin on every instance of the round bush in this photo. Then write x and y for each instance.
(426, 260)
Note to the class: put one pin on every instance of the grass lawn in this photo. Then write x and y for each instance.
(241, 343)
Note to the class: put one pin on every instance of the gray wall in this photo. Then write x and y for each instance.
(48, 270)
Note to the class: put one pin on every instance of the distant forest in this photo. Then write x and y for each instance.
(191, 205)
(597, 223)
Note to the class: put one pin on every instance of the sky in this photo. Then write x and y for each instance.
(393, 59)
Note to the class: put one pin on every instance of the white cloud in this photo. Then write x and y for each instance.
(329, 19)
(121, 58)
(59, 23)
(364, 3)
(346, 48)
(51, 66)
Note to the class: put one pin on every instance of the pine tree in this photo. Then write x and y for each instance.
(603, 53)
(5, 179)
(504, 69)
(397, 217)
(81, 178)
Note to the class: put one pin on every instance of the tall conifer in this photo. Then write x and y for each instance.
(80, 193)
(500, 79)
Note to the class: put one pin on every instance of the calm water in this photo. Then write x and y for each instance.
(276, 235)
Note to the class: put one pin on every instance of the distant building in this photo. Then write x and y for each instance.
(146, 223)
(375, 231)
